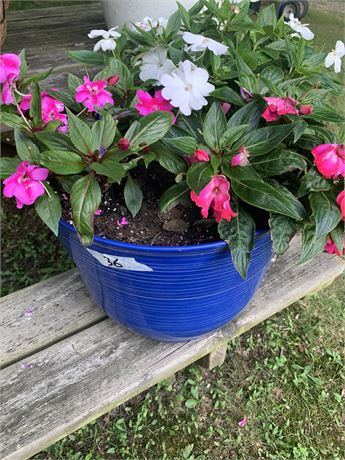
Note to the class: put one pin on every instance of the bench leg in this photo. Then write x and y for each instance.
(215, 358)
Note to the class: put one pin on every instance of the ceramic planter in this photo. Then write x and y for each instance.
(118, 12)
(167, 293)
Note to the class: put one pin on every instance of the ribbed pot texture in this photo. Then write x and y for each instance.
(167, 293)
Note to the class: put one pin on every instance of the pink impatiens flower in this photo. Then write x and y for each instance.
(278, 106)
(9, 71)
(341, 203)
(25, 184)
(93, 94)
(51, 109)
(331, 248)
(149, 104)
(200, 155)
(215, 195)
(330, 160)
(9, 67)
(241, 159)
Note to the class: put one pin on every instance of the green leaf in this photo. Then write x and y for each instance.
(325, 211)
(267, 17)
(36, 106)
(38, 77)
(214, 125)
(170, 161)
(62, 162)
(173, 196)
(184, 15)
(110, 167)
(299, 129)
(116, 67)
(103, 132)
(325, 115)
(26, 149)
(68, 181)
(55, 140)
(278, 162)
(338, 236)
(191, 403)
(199, 175)
(239, 233)
(283, 228)
(87, 57)
(85, 199)
(79, 133)
(250, 115)
(264, 140)
(73, 83)
(232, 135)
(11, 120)
(48, 207)
(313, 182)
(23, 64)
(151, 128)
(249, 186)
(228, 95)
(183, 144)
(174, 24)
(133, 196)
(311, 246)
(8, 166)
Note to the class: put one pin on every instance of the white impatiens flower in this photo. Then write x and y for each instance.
(301, 29)
(147, 24)
(201, 43)
(108, 42)
(155, 64)
(186, 87)
(335, 56)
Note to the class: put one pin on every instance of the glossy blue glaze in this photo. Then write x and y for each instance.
(191, 290)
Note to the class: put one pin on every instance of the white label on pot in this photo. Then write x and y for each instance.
(122, 263)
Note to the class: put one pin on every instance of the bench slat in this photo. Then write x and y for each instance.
(43, 314)
(65, 386)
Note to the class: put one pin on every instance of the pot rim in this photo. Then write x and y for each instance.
(159, 249)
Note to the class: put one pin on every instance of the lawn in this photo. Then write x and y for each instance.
(286, 376)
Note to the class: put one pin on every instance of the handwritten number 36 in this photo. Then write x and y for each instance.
(113, 263)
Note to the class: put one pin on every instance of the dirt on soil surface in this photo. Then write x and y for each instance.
(180, 226)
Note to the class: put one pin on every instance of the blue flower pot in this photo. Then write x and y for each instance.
(167, 293)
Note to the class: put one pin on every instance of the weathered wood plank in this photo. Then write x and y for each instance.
(65, 386)
(42, 314)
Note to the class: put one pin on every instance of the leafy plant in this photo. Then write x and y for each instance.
(251, 136)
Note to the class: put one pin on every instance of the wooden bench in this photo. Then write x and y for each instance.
(64, 363)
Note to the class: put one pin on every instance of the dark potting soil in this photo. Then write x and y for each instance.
(180, 226)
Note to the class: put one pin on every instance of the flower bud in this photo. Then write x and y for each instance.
(113, 80)
(306, 109)
(123, 144)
